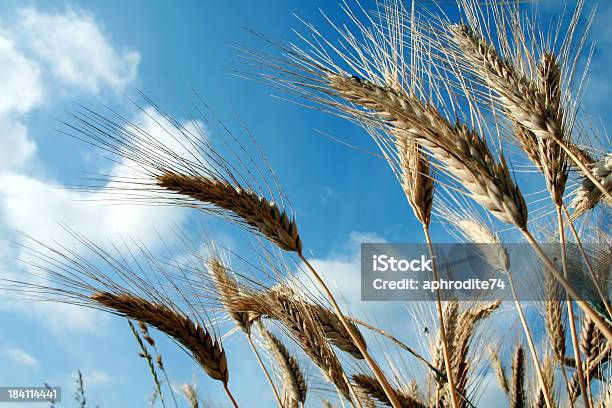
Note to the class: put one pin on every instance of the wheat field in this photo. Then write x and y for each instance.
(476, 107)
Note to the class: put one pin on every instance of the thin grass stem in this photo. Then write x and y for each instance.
(532, 349)
(266, 373)
(443, 340)
(571, 315)
(229, 394)
(587, 261)
(601, 325)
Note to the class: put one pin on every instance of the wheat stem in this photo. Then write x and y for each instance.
(600, 292)
(229, 394)
(419, 357)
(532, 349)
(380, 376)
(570, 314)
(601, 325)
(266, 373)
(443, 340)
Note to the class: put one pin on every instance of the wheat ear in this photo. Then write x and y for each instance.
(302, 325)
(335, 331)
(415, 177)
(291, 372)
(265, 218)
(228, 289)
(553, 160)
(554, 318)
(591, 343)
(329, 322)
(462, 152)
(524, 102)
(593, 346)
(191, 395)
(371, 386)
(207, 352)
(549, 378)
(588, 195)
(518, 399)
(245, 206)
(500, 372)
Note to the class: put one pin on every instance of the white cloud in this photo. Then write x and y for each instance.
(21, 79)
(34, 206)
(21, 357)
(76, 50)
(43, 55)
(21, 89)
(93, 378)
(13, 133)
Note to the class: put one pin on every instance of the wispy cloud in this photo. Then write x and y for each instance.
(21, 357)
(93, 378)
(44, 56)
(75, 49)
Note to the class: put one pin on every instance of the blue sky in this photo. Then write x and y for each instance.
(56, 55)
